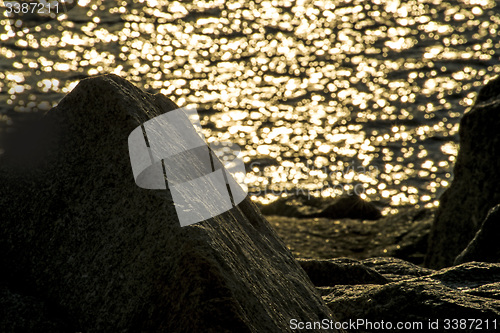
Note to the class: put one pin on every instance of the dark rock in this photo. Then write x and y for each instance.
(474, 190)
(24, 313)
(489, 91)
(468, 275)
(403, 235)
(485, 245)
(491, 290)
(409, 301)
(352, 207)
(340, 271)
(465, 291)
(78, 233)
(303, 206)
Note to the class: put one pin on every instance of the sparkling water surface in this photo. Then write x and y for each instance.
(324, 97)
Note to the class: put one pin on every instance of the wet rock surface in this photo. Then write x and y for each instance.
(474, 190)
(81, 236)
(415, 294)
(395, 269)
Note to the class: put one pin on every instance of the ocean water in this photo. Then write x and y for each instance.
(324, 97)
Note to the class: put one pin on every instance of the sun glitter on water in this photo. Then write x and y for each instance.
(323, 96)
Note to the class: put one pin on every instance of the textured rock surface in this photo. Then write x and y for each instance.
(474, 190)
(396, 269)
(418, 294)
(79, 234)
(403, 235)
(340, 271)
(485, 245)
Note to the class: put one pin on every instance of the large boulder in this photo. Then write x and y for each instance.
(474, 190)
(484, 246)
(81, 240)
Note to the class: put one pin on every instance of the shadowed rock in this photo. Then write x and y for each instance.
(82, 237)
(340, 271)
(351, 206)
(468, 275)
(419, 295)
(25, 313)
(474, 190)
(485, 245)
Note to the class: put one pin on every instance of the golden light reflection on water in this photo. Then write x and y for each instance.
(326, 96)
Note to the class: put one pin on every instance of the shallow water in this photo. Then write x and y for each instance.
(325, 97)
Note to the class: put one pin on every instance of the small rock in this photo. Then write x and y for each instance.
(350, 207)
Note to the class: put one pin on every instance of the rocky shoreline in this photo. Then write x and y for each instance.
(404, 235)
(85, 249)
(437, 267)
